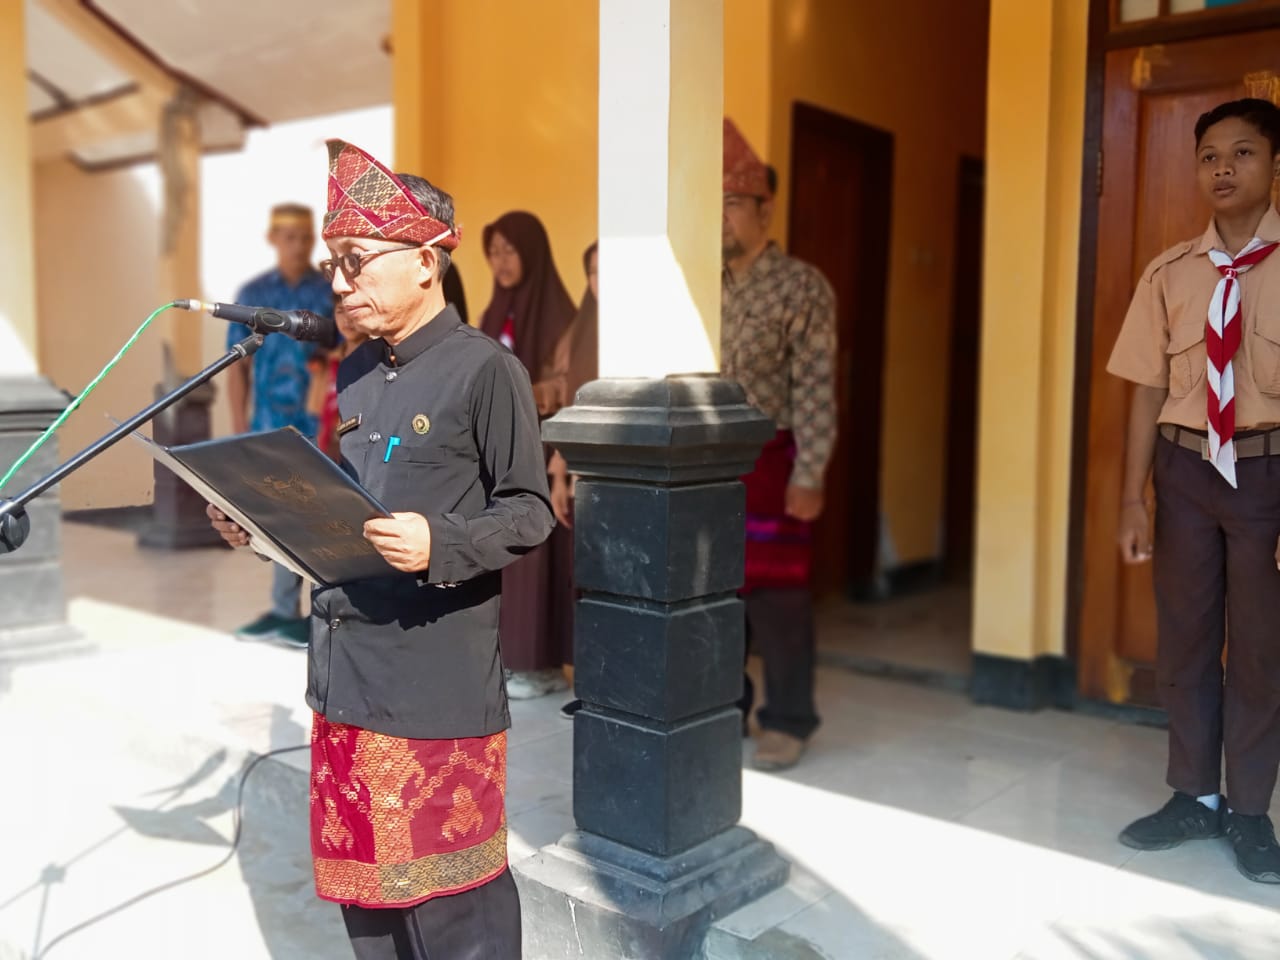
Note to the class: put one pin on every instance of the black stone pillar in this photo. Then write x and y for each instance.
(657, 755)
(178, 520)
(32, 602)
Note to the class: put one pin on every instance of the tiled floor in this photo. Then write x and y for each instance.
(919, 825)
(925, 634)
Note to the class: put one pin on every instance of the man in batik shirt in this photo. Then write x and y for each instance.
(408, 761)
(778, 340)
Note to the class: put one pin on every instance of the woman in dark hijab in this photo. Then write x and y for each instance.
(529, 312)
(574, 363)
(530, 307)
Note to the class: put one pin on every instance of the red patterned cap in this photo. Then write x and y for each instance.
(743, 171)
(368, 200)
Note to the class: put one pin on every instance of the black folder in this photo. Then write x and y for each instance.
(299, 507)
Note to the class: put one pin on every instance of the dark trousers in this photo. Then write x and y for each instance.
(1215, 577)
(481, 924)
(780, 626)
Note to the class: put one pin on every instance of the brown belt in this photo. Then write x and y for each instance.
(1255, 445)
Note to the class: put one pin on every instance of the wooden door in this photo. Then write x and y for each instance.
(841, 184)
(1149, 202)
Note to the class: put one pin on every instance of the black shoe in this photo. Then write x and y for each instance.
(1182, 818)
(1254, 840)
(570, 708)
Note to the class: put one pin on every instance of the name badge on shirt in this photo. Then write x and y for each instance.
(346, 426)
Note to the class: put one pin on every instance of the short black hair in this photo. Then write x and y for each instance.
(1262, 114)
(437, 203)
(771, 179)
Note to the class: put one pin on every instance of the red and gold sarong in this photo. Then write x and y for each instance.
(395, 822)
(779, 547)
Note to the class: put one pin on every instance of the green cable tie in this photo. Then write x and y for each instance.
(71, 407)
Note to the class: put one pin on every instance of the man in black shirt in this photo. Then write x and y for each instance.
(404, 675)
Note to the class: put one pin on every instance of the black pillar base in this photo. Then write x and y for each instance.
(592, 897)
(1046, 681)
(178, 520)
(657, 753)
(32, 602)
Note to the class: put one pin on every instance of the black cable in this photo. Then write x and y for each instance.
(238, 820)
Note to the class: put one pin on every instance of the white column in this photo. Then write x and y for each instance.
(17, 240)
(33, 610)
(661, 104)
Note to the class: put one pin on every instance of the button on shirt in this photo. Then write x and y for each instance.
(1161, 343)
(453, 437)
(778, 340)
(280, 375)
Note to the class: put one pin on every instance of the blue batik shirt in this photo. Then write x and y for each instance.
(280, 375)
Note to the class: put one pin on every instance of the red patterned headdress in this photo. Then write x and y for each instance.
(743, 171)
(368, 200)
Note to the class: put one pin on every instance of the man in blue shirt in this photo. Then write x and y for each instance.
(273, 392)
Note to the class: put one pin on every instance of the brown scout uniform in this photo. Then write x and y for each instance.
(1214, 558)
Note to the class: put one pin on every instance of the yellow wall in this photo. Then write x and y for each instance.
(511, 123)
(1035, 128)
(17, 293)
(748, 69)
(925, 85)
(102, 230)
(515, 126)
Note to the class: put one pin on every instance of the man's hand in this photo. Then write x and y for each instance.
(228, 528)
(546, 396)
(1135, 534)
(562, 500)
(804, 503)
(403, 539)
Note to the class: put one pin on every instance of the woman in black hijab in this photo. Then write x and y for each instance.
(529, 312)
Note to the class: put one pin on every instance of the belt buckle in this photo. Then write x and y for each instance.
(1204, 450)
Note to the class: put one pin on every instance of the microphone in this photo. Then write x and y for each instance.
(298, 324)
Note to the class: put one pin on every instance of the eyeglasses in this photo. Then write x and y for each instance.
(353, 263)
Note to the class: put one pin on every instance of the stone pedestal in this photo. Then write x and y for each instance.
(32, 603)
(658, 536)
(178, 519)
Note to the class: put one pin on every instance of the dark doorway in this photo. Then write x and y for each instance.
(962, 390)
(841, 190)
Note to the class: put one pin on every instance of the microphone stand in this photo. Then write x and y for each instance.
(15, 525)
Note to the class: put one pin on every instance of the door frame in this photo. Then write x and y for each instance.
(960, 511)
(1103, 39)
(877, 146)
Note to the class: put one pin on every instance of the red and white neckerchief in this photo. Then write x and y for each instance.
(1222, 340)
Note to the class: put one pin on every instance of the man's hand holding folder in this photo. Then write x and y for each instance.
(403, 539)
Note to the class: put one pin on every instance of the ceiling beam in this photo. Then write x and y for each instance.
(129, 113)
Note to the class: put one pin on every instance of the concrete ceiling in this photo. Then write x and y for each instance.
(99, 70)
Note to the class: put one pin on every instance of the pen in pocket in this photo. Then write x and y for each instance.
(392, 443)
